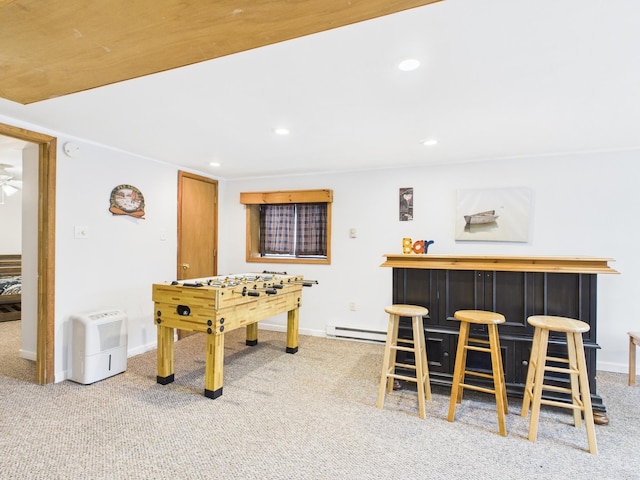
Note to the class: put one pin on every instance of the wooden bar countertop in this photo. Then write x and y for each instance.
(503, 263)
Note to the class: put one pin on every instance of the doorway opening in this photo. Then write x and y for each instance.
(45, 322)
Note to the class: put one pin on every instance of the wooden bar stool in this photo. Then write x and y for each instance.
(491, 346)
(576, 368)
(415, 345)
(634, 340)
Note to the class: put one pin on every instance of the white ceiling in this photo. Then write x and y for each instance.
(499, 79)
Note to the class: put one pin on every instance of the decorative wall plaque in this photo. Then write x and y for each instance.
(127, 200)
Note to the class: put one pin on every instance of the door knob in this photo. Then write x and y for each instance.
(185, 266)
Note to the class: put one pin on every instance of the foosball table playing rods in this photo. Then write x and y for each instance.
(270, 282)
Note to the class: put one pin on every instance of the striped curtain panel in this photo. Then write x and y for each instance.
(311, 235)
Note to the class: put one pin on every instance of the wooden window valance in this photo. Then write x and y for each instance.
(287, 196)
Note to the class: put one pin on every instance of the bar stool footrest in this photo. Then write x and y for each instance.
(478, 374)
(478, 388)
(554, 403)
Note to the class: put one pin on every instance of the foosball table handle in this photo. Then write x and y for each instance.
(251, 293)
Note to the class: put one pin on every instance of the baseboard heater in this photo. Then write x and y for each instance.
(352, 333)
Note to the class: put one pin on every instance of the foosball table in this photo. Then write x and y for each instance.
(220, 304)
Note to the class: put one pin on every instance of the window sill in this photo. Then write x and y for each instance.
(276, 260)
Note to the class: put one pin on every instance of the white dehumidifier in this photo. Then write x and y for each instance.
(98, 345)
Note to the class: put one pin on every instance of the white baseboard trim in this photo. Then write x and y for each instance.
(140, 349)
(27, 355)
(613, 367)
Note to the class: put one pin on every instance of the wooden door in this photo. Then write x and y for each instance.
(197, 226)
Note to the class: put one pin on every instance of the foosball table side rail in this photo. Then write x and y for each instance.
(209, 320)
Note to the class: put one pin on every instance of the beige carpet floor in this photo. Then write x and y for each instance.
(311, 415)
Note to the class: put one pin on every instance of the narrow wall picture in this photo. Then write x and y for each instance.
(501, 215)
(406, 204)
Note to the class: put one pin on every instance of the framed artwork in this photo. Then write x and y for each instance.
(406, 204)
(501, 215)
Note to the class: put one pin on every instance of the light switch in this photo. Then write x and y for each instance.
(352, 233)
(81, 232)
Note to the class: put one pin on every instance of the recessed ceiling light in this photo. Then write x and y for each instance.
(430, 142)
(409, 64)
(214, 164)
(281, 131)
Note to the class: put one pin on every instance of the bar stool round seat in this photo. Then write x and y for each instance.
(481, 317)
(415, 345)
(579, 395)
(407, 310)
(461, 369)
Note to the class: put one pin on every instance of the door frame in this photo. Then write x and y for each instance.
(45, 323)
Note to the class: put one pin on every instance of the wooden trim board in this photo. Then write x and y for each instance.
(500, 263)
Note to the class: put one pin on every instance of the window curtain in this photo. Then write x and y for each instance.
(311, 228)
(277, 229)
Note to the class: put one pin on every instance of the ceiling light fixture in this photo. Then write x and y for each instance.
(409, 64)
(214, 164)
(281, 131)
(429, 142)
(6, 190)
(8, 185)
(9, 190)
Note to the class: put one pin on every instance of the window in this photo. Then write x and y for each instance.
(288, 227)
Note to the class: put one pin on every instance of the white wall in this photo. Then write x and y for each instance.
(123, 256)
(29, 250)
(582, 205)
(11, 224)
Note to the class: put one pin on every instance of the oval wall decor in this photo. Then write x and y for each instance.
(127, 200)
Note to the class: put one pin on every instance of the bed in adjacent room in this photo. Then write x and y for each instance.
(10, 287)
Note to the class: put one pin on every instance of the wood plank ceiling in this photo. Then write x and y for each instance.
(54, 48)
